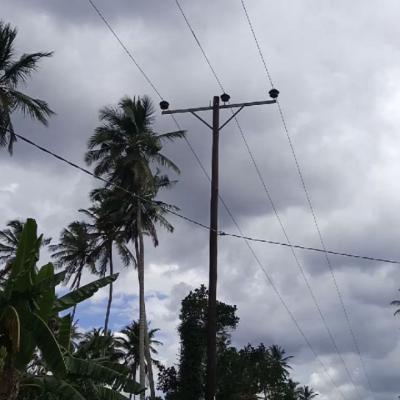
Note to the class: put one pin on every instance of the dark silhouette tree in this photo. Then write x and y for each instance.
(74, 253)
(13, 73)
(128, 343)
(306, 393)
(9, 239)
(127, 151)
(105, 233)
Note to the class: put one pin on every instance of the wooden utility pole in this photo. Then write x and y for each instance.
(212, 281)
(211, 380)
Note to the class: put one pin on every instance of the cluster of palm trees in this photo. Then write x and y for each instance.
(123, 348)
(127, 153)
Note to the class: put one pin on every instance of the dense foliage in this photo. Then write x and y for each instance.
(38, 360)
(247, 373)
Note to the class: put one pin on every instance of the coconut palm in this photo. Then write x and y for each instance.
(106, 234)
(306, 393)
(97, 344)
(126, 150)
(292, 390)
(74, 253)
(9, 239)
(13, 73)
(129, 345)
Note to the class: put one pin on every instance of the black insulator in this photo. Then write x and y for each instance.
(164, 105)
(274, 93)
(225, 97)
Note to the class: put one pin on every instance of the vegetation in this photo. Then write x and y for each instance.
(249, 373)
(37, 356)
(13, 73)
(126, 151)
(44, 353)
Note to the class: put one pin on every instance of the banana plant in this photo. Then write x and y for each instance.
(31, 324)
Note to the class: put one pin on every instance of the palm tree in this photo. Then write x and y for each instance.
(292, 390)
(397, 304)
(105, 234)
(99, 344)
(278, 370)
(74, 252)
(9, 239)
(14, 72)
(126, 150)
(129, 345)
(306, 393)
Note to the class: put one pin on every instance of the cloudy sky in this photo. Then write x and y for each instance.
(336, 65)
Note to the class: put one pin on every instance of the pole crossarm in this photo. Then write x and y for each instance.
(201, 119)
(233, 116)
(237, 105)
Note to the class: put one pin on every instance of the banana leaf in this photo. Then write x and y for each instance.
(81, 294)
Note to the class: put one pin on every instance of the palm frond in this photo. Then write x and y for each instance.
(35, 108)
(22, 69)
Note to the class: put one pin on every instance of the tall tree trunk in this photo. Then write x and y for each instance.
(78, 285)
(142, 373)
(110, 293)
(9, 381)
(134, 372)
(148, 359)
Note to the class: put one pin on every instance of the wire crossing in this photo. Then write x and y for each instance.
(193, 221)
(307, 194)
(188, 143)
(268, 277)
(262, 181)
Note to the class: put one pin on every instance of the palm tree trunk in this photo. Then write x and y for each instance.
(142, 373)
(110, 293)
(9, 380)
(148, 360)
(78, 284)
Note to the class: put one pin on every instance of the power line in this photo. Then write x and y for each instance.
(127, 51)
(258, 172)
(314, 216)
(269, 279)
(193, 221)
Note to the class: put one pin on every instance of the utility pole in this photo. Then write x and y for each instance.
(211, 379)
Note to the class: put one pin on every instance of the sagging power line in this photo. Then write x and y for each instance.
(201, 225)
(274, 208)
(309, 202)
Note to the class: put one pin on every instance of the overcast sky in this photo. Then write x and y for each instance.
(336, 65)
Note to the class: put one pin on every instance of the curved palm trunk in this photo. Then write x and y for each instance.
(140, 262)
(78, 284)
(110, 293)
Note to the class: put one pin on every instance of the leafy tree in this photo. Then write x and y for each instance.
(128, 343)
(74, 253)
(106, 233)
(9, 239)
(97, 344)
(250, 373)
(126, 150)
(193, 333)
(306, 393)
(13, 73)
(30, 324)
(291, 391)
